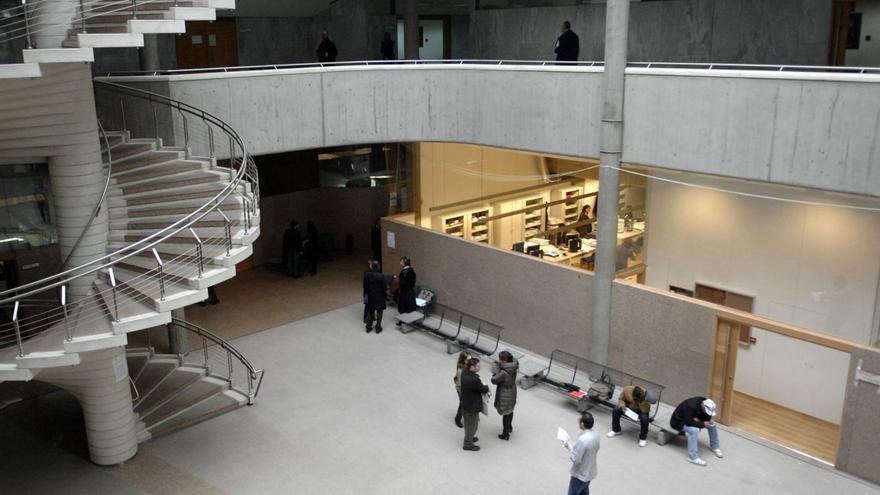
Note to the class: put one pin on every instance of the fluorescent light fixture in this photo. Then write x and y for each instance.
(11, 239)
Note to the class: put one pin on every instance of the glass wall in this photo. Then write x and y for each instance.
(26, 219)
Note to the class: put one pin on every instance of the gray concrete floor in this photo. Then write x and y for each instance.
(342, 412)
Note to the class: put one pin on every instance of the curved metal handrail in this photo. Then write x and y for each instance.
(711, 66)
(100, 203)
(254, 375)
(107, 261)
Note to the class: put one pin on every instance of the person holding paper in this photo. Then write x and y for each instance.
(472, 390)
(690, 417)
(583, 456)
(634, 403)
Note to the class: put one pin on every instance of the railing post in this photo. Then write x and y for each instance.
(205, 349)
(228, 231)
(17, 330)
(229, 360)
(161, 275)
(250, 382)
(211, 143)
(231, 158)
(185, 133)
(64, 308)
(155, 120)
(113, 286)
(199, 252)
(122, 108)
(247, 213)
(27, 25)
(82, 12)
(134, 9)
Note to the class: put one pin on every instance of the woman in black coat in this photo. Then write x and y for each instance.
(504, 376)
(374, 296)
(406, 298)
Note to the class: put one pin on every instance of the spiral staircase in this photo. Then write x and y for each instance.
(170, 223)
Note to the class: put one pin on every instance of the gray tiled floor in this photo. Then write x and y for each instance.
(346, 412)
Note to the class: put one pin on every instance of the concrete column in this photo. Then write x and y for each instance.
(51, 20)
(149, 53)
(178, 341)
(610, 150)
(100, 384)
(875, 329)
(78, 176)
(410, 30)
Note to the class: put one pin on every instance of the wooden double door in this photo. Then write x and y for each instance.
(208, 44)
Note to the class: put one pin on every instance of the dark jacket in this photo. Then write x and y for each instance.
(406, 300)
(568, 46)
(292, 244)
(689, 413)
(505, 393)
(472, 390)
(387, 50)
(374, 289)
(327, 51)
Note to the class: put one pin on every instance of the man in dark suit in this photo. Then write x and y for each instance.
(472, 390)
(291, 248)
(568, 44)
(327, 49)
(374, 295)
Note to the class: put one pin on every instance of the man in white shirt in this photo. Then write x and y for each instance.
(583, 457)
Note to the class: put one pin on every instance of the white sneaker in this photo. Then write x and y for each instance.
(612, 434)
(697, 461)
(642, 443)
(718, 453)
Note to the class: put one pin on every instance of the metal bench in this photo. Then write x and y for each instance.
(447, 323)
(574, 375)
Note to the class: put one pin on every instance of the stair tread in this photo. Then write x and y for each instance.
(189, 396)
(215, 406)
(152, 375)
(178, 380)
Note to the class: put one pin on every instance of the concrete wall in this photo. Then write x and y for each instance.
(339, 211)
(860, 431)
(732, 31)
(811, 130)
(868, 54)
(275, 40)
(544, 306)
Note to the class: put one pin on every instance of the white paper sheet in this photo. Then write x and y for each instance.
(631, 414)
(562, 435)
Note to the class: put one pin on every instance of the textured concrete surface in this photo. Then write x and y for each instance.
(545, 306)
(809, 130)
(732, 31)
(345, 412)
(860, 433)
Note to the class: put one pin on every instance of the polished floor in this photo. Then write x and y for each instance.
(807, 434)
(344, 412)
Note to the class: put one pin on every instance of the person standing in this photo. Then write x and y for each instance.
(292, 247)
(472, 390)
(327, 49)
(374, 294)
(406, 296)
(387, 48)
(311, 248)
(690, 417)
(504, 377)
(567, 45)
(583, 457)
(633, 398)
(463, 358)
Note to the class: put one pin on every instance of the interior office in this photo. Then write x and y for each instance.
(802, 256)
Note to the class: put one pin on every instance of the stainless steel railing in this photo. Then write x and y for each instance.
(218, 357)
(242, 176)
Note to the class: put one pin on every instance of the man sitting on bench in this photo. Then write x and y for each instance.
(690, 417)
(634, 403)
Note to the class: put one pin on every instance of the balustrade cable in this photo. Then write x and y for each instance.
(136, 288)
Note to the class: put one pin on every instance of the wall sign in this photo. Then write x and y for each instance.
(392, 241)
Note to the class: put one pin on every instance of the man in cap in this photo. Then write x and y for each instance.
(690, 417)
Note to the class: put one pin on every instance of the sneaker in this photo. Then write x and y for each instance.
(472, 448)
(612, 434)
(718, 453)
(697, 461)
(643, 443)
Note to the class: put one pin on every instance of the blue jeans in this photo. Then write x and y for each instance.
(578, 487)
(693, 449)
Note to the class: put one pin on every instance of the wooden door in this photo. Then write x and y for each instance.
(208, 44)
(724, 368)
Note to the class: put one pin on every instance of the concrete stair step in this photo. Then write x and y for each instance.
(142, 161)
(119, 7)
(106, 40)
(134, 312)
(154, 371)
(128, 150)
(216, 405)
(156, 26)
(179, 379)
(157, 171)
(179, 272)
(147, 290)
(111, 16)
(213, 254)
(108, 28)
(189, 396)
(183, 180)
(191, 13)
(137, 361)
(165, 198)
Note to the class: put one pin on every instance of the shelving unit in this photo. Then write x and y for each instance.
(570, 211)
(479, 232)
(454, 226)
(533, 221)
